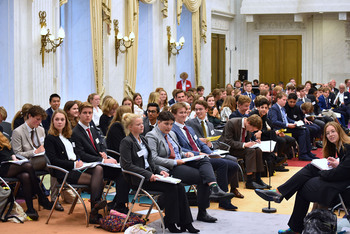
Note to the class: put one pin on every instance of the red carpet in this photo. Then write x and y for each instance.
(294, 162)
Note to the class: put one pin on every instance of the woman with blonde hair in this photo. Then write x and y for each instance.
(163, 99)
(109, 108)
(227, 108)
(94, 99)
(116, 132)
(59, 150)
(154, 97)
(26, 175)
(21, 116)
(136, 156)
(314, 185)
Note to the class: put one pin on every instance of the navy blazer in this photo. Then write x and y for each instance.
(46, 122)
(185, 144)
(251, 106)
(237, 114)
(275, 117)
(83, 145)
(322, 102)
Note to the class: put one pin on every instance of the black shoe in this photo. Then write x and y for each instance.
(281, 169)
(314, 148)
(59, 207)
(226, 205)
(269, 195)
(189, 227)
(95, 218)
(172, 228)
(32, 214)
(304, 157)
(98, 206)
(280, 160)
(44, 202)
(319, 144)
(205, 217)
(217, 193)
(312, 156)
(262, 183)
(253, 185)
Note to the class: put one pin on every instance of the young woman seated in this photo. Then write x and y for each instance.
(60, 152)
(26, 175)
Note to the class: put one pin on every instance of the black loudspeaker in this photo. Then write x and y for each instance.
(243, 75)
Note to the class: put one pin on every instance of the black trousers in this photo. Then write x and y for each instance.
(177, 209)
(226, 171)
(122, 186)
(309, 188)
(302, 135)
(199, 172)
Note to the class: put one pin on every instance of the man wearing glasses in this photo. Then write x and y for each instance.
(150, 121)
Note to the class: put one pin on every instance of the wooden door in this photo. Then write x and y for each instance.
(218, 49)
(280, 58)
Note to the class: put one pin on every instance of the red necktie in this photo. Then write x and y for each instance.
(243, 135)
(193, 145)
(172, 151)
(92, 140)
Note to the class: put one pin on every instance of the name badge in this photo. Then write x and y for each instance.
(212, 132)
(41, 139)
(188, 85)
(313, 103)
(140, 153)
(346, 97)
(295, 116)
(73, 144)
(195, 137)
(97, 141)
(329, 100)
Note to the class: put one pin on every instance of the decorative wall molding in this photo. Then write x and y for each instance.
(283, 25)
(228, 15)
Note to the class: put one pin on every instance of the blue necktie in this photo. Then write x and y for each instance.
(284, 116)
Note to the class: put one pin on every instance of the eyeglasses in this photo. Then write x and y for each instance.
(152, 111)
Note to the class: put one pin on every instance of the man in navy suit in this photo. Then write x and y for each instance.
(248, 92)
(279, 119)
(189, 142)
(242, 107)
(55, 102)
(88, 144)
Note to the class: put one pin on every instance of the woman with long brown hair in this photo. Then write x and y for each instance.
(72, 110)
(26, 174)
(21, 116)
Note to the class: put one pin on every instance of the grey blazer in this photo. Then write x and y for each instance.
(159, 148)
(22, 143)
(197, 127)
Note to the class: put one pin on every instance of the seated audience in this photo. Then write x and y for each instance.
(243, 104)
(90, 148)
(72, 110)
(280, 120)
(138, 104)
(26, 175)
(150, 121)
(21, 116)
(59, 150)
(94, 99)
(326, 102)
(248, 92)
(109, 108)
(55, 102)
(116, 133)
(177, 210)
(311, 184)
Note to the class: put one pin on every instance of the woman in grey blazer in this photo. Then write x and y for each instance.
(136, 157)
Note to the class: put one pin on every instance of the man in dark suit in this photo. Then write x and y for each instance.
(55, 102)
(238, 134)
(333, 86)
(242, 107)
(203, 129)
(167, 153)
(248, 92)
(342, 102)
(280, 120)
(150, 121)
(88, 145)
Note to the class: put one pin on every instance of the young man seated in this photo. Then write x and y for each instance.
(88, 145)
(55, 102)
(243, 104)
(238, 133)
(248, 92)
(150, 121)
(280, 120)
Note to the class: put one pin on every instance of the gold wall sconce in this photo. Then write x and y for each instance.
(48, 38)
(173, 46)
(122, 44)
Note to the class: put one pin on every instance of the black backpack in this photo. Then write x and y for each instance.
(6, 200)
(320, 222)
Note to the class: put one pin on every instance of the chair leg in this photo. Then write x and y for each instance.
(158, 208)
(82, 202)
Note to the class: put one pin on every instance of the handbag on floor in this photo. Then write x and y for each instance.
(7, 202)
(321, 222)
(114, 223)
